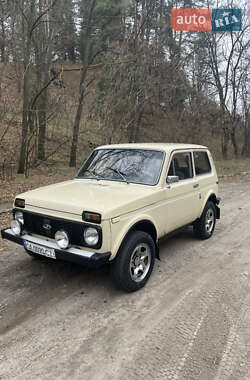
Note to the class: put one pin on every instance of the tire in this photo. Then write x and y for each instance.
(129, 271)
(204, 226)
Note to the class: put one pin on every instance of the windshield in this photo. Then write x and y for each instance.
(126, 165)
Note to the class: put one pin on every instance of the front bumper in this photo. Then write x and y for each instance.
(74, 255)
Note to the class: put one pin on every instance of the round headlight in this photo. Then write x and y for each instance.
(91, 236)
(15, 227)
(19, 217)
(62, 239)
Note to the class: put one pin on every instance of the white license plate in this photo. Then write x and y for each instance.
(40, 250)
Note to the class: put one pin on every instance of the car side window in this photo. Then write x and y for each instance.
(181, 166)
(201, 163)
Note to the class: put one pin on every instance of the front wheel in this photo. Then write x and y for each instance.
(204, 226)
(135, 261)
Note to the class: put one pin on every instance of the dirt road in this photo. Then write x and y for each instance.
(192, 320)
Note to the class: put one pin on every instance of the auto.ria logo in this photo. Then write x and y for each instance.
(206, 19)
(226, 19)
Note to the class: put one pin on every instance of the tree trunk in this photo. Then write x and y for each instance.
(3, 43)
(224, 143)
(71, 54)
(85, 61)
(76, 126)
(138, 125)
(26, 97)
(42, 122)
(22, 157)
(43, 59)
(234, 142)
(246, 144)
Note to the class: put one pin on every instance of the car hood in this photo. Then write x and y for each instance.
(108, 198)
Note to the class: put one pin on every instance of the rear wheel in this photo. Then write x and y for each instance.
(135, 261)
(204, 226)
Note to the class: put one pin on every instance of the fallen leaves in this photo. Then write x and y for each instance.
(4, 223)
(37, 178)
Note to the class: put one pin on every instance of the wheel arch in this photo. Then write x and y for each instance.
(144, 225)
(211, 197)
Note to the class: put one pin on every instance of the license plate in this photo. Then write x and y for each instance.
(40, 250)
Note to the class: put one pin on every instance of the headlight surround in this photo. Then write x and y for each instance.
(91, 236)
(16, 227)
(19, 217)
(62, 239)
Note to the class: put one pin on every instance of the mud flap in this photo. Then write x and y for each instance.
(217, 208)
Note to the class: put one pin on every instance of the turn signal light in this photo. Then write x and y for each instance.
(91, 217)
(19, 202)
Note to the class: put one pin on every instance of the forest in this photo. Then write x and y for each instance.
(75, 74)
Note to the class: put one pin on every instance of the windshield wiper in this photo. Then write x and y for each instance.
(96, 175)
(117, 171)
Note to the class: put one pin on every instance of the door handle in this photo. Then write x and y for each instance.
(195, 185)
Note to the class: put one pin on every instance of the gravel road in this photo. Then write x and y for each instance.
(191, 321)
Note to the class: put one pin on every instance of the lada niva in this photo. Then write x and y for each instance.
(122, 201)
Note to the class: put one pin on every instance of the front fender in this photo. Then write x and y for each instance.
(120, 229)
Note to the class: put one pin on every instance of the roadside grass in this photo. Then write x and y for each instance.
(240, 166)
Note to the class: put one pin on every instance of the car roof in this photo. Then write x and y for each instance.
(167, 147)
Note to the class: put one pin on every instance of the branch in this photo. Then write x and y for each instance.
(51, 154)
(93, 67)
(4, 133)
(36, 22)
(231, 55)
(43, 89)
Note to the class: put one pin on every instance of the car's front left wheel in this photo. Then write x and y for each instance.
(135, 261)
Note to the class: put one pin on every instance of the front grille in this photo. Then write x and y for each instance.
(47, 226)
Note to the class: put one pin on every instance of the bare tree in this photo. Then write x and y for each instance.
(31, 20)
(43, 44)
(245, 97)
(28, 21)
(85, 51)
(226, 52)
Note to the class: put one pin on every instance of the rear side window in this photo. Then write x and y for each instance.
(181, 166)
(201, 163)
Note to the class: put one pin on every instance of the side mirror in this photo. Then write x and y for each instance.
(172, 179)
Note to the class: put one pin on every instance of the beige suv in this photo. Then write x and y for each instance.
(122, 201)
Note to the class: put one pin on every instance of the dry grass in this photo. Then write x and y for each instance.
(233, 167)
(38, 177)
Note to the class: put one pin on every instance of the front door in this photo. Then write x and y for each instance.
(182, 198)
